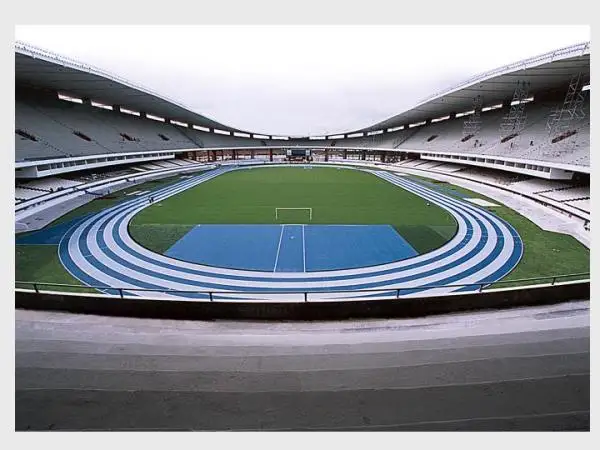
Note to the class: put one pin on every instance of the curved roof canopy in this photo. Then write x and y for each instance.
(40, 68)
(543, 73)
(35, 67)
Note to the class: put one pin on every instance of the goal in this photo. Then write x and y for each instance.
(279, 211)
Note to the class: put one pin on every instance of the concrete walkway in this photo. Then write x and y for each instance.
(523, 369)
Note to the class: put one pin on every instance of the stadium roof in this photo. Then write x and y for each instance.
(36, 67)
(544, 72)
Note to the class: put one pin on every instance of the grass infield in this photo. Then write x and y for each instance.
(336, 196)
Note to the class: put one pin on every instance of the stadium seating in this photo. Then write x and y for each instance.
(493, 176)
(584, 204)
(449, 168)
(535, 185)
(533, 143)
(35, 188)
(562, 195)
(65, 129)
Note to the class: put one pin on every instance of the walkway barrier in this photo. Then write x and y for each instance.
(403, 302)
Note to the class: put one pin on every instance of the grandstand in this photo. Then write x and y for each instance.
(102, 166)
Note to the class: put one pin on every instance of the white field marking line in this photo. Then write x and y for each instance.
(303, 251)
(278, 248)
(303, 208)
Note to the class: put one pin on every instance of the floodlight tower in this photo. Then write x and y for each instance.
(514, 122)
(472, 124)
(561, 118)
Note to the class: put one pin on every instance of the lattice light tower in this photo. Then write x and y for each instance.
(472, 124)
(561, 118)
(514, 122)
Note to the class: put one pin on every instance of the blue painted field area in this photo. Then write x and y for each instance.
(291, 248)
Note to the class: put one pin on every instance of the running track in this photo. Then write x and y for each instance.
(100, 252)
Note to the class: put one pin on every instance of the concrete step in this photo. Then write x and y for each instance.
(441, 374)
(142, 346)
(333, 361)
(68, 409)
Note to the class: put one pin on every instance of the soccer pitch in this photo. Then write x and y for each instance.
(330, 195)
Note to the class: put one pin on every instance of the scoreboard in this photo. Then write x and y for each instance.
(298, 152)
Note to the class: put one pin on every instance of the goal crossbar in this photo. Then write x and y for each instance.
(306, 209)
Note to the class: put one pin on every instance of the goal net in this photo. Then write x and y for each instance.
(293, 215)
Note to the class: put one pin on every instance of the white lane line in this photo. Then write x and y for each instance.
(303, 252)
(278, 248)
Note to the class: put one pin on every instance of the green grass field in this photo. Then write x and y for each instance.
(335, 196)
(40, 263)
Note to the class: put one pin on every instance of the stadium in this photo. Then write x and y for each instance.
(246, 281)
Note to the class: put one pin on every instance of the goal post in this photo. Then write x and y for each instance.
(278, 210)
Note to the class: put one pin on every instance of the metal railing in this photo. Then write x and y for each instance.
(302, 295)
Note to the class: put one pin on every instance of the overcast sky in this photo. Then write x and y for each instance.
(299, 80)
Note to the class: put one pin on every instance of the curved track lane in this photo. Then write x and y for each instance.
(100, 252)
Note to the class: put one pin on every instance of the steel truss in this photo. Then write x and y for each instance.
(472, 124)
(514, 122)
(561, 118)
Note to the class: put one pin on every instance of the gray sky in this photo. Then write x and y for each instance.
(299, 80)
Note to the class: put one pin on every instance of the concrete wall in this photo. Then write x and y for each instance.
(335, 310)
